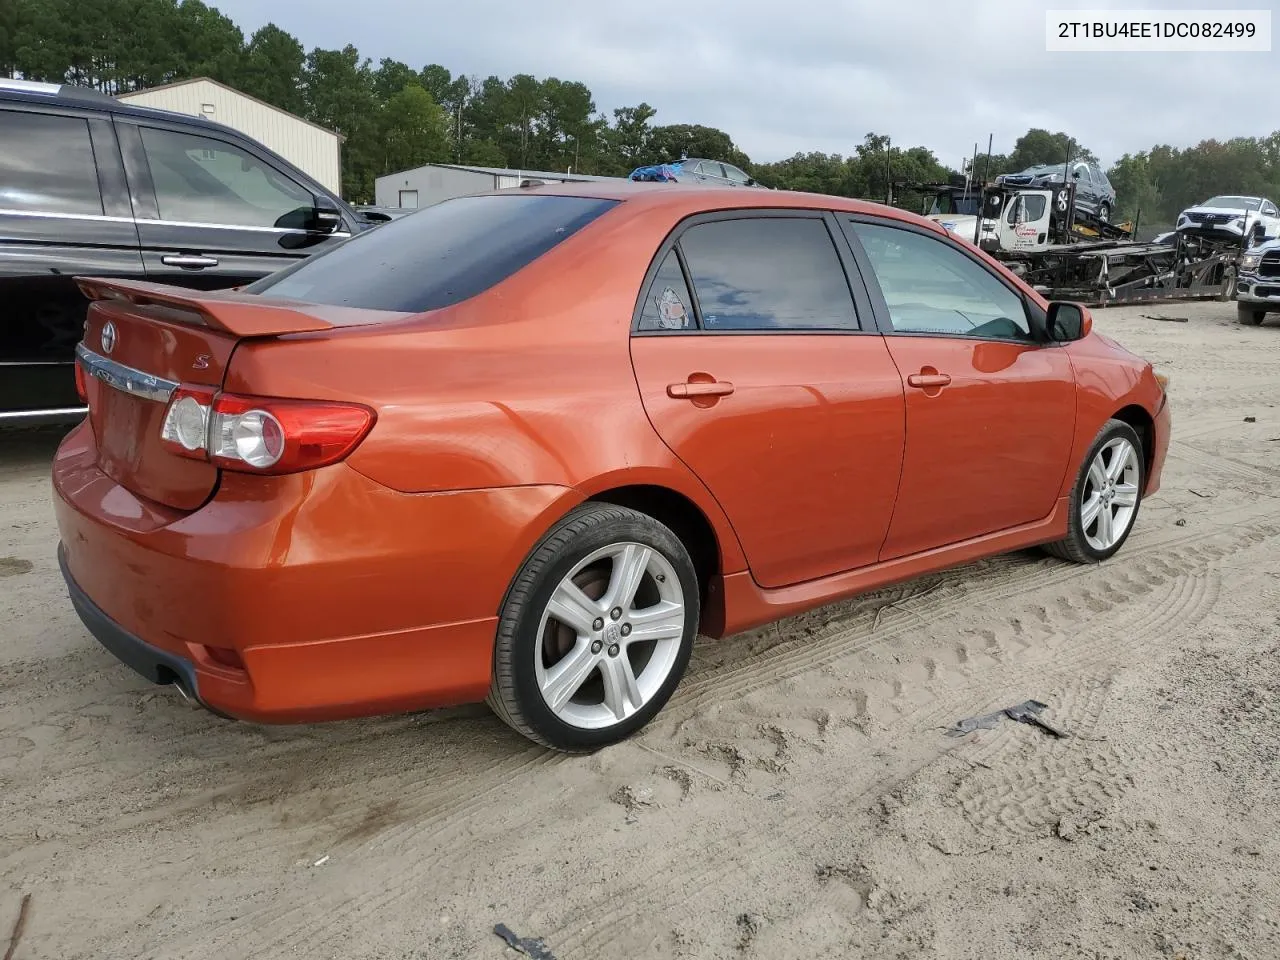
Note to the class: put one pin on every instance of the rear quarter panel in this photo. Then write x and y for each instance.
(529, 383)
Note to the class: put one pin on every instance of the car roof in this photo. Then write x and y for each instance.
(86, 98)
(683, 200)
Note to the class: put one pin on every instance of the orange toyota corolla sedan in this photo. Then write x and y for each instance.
(524, 446)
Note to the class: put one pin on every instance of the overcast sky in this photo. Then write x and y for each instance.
(783, 77)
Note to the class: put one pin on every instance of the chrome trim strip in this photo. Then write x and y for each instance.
(143, 221)
(36, 414)
(126, 379)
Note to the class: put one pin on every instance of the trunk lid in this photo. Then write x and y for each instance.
(144, 340)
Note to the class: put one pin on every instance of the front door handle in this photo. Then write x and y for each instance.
(190, 261)
(927, 380)
(695, 389)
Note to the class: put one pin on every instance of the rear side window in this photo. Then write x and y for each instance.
(46, 164)
(437, 257)
(668, 305)
(768, 273)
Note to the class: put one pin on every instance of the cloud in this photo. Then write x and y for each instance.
(782, 78)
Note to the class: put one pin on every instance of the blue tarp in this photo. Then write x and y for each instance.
(659, 173)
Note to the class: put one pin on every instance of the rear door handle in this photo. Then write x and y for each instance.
(690, 391)
(189, 261)
(926, 380)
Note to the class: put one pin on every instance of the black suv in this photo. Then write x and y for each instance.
(90, 186)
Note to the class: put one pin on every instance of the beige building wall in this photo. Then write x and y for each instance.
(313, 149)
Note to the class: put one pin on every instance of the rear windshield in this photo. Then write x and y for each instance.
(436, 257)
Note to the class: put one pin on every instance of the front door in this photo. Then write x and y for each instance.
(210, 213)
(1025, 224)
(762, 380)
(990, 410)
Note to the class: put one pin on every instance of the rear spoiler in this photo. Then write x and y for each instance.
(229, 311)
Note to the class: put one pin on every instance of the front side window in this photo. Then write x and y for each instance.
(440, 255)
(734, 174)
(1085, 175)
(768, 273)
(202, 180)
(1029, 208)
(931, 287)
(712, 169)
(667, 305)
(47, 165)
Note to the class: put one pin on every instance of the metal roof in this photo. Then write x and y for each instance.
(501, 172)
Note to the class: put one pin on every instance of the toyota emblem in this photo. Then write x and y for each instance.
(108, 337)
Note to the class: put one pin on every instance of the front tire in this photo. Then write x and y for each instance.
(1104, 212)
(1105, 498)
(596, 630)
(1248, 315)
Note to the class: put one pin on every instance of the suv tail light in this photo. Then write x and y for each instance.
(262, 434)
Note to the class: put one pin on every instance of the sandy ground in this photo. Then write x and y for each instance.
(798, 797)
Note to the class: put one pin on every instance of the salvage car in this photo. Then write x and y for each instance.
(711, 173)
(1229, 217)
(93, 186)
(524, 446)
(1258, 282)
(1095, 196)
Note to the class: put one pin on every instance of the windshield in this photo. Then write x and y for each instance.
(436, 257)
(1233, 203)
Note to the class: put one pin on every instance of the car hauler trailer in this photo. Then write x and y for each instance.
(1038, 235)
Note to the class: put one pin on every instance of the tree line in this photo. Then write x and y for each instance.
(394, 116)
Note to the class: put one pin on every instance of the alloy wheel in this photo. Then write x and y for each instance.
(610, 635)
(1109, 499)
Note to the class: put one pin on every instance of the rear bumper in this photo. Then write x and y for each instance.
(339, 597)
(157, 665)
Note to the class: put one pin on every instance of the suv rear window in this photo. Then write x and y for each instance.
(436, 257)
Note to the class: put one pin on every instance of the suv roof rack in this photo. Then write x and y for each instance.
(66, 90)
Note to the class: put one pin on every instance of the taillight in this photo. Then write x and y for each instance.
(82, 384)
(262, 434)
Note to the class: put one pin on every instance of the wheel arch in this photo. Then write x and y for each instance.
(678, 512)
(1136, 416)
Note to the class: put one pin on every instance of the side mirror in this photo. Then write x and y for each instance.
(1068, 322)
(325, 216)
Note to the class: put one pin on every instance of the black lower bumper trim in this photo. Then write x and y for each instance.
(158, 666)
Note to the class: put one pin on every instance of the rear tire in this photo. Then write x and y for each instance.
(1248, 315)
(1105, 498)
(596, 630)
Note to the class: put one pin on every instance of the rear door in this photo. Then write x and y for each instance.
(64, 212)
(762, 371)
(1086, 189)
(212, 213)
(990, 410)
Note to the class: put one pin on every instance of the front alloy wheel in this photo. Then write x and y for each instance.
(1105, 497)
(596, 630)
(1109, 499)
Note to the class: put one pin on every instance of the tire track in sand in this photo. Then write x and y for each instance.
(1184, 598)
